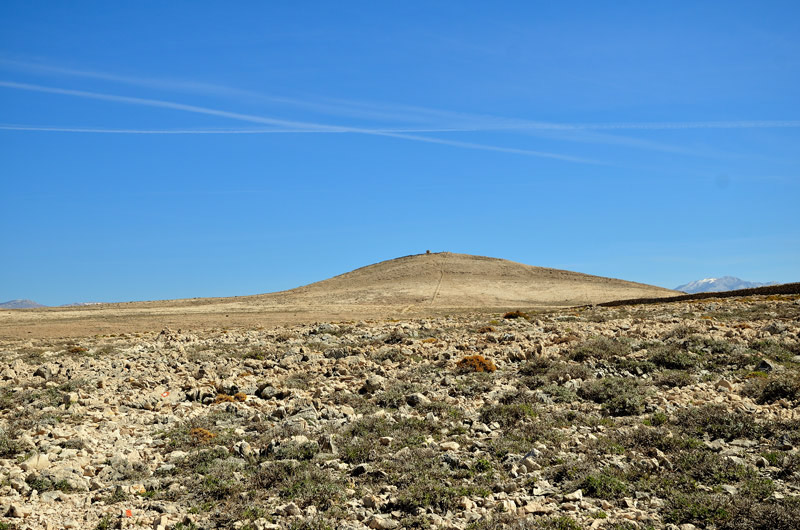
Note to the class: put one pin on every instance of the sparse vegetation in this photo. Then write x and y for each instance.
(648, 410)
(619, 396)
(598, 348)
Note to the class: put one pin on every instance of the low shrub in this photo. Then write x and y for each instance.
(673, 378)
(718, 422)
(771, 389)
(507, 415)
(647, 439)
(559, 394)
(619, 396)
(604, 486)
(598, 348)
(304, 483)
(696, 508)
(475, 363)
(563, 371)
(9, 444)
(201, 436)
(536, 366)
(673, 358)
(395, 396)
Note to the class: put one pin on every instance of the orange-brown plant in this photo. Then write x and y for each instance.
(201, 436)
(476, 363)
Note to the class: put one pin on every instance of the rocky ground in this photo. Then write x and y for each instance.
(677, 415)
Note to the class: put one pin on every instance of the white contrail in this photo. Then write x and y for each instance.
(172, 105)
(759, 124)
(281, 123)
(466, 121)
(96, 130)
(456, 121)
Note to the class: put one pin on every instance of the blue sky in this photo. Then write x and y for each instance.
(153, 150)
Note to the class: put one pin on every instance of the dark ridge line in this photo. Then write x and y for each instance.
(786, 288)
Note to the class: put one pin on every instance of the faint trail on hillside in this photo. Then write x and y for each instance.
(439, 284)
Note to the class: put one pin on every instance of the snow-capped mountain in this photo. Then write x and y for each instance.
(716, 285)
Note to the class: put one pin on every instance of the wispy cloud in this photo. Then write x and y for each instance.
(291, 124)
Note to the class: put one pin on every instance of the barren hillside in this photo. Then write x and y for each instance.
(420, 285)
(453, 280)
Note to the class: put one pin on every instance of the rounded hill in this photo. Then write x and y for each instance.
(453, 280)
(412, 286)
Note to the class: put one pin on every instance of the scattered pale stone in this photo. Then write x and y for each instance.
(371, 501)
(530, 465)
(373, 384)
(19, 511)
(36, 462)
(536, 508)
(574, 496)
(418, 399)
(466, 504)
(507, 506)
(724, 384)
(381, 523)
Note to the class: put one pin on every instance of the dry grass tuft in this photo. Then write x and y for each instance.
(201, 436)
(476, 363)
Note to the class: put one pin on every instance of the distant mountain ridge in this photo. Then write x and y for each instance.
(30, 304)
(20, 304)
(717, 285)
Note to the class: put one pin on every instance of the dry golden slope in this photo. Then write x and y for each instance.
(412, 285)
(448, 280)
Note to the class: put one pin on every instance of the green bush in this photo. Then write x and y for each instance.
(507, 415)
(560, 394)
(9, 444)
(562, 522)
(718, 422)
(536, 366)
(598, 348)
(673, 378)
(604, 486)
(772, 389)
(696, 508)
(618, 395)
(562, 371)
(671, 357)
(303, 483)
